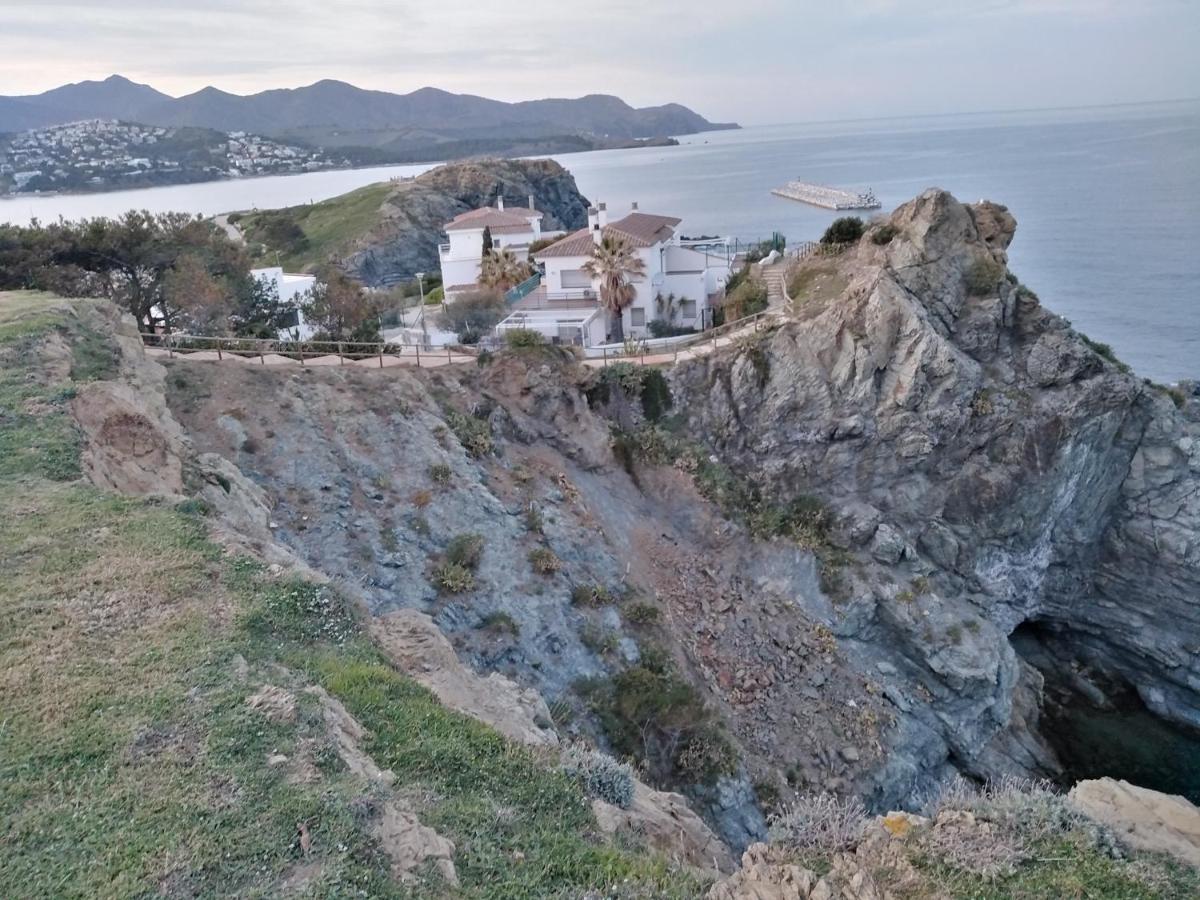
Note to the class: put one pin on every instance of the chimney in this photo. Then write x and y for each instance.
(634, 206)
(594, 223)
(500, 202)
(603, 210)
(531, 206)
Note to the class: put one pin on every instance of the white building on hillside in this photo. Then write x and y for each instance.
(514, 229)
(681, 282)
(290, 286)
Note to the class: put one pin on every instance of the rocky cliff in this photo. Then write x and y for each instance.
(990, 471)
(398, 237)
(965, 467)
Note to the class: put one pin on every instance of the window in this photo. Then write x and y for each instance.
(637, 316)
(687, 309)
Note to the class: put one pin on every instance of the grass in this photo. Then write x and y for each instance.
(130, 763)
(330, 227)
(815, 282)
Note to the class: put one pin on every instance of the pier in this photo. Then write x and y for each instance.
(827, 197)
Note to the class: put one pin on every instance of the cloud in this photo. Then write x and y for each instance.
(756, 60)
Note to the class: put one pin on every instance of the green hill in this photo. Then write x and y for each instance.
(135, 759)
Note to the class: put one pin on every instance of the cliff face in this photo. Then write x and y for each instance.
(405, 239)
(988, 470)
(989, 474)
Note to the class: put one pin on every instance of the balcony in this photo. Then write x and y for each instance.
(540, 298)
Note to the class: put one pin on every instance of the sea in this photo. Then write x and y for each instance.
(1107, 201)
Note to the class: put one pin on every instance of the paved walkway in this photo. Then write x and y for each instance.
(775, 277)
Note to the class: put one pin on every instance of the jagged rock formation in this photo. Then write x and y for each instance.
(989, 469)
(405, 238)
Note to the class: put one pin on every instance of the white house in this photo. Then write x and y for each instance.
(290, 286)
(514, 229)
(566, 305)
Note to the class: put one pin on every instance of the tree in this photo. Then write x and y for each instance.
(200, 303)
(487, 241)
(500, 270)
(845, 230)
(615, 264)
(339, 309)
(472, 315)
(129, 260)
(258, 311)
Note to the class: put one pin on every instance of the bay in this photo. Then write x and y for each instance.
(1107, 201)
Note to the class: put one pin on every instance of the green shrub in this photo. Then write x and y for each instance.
(656, 395)
(1106, 352)
(599, 775)
(642, 613)
(843, 230)
(660, 328)
(440, 473)
(883, 234)
(983, 275)
(601, 641)
(544, 561)
(473, 433)
(657, 717)
(194, 506)
(454, 578)
(465, 550)
(517, 338)
(591, 595)
(500, 622)
(746, 299)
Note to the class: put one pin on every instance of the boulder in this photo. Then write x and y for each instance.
(1144, 819)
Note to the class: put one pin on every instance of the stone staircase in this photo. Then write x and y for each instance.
(775, 277)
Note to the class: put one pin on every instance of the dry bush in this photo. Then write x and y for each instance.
(824, 822)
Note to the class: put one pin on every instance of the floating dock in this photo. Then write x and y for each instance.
(827, 197)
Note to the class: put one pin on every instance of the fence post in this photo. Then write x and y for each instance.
(448, 359)
(341, 357)
(219, 356)
(417, 347)
(170, 347)
(300, 350)
(381, 356)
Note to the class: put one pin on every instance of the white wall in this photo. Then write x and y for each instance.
(290, 286)
(460, 264)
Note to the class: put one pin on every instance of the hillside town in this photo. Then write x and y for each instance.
(100, 154)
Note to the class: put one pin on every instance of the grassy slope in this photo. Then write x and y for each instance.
(330, 226)
(129, 761)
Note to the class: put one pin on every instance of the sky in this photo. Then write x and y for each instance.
(750, 61)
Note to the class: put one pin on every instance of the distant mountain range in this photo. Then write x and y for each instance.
(336, 114)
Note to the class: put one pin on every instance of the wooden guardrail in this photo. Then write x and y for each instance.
(306, 353)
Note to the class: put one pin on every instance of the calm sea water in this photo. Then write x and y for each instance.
(1107, 201)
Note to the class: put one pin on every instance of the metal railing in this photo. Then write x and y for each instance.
(307, 353)
(522, 290)
(659, 350)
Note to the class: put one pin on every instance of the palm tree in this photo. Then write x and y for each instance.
(501, 270)
(615, 263)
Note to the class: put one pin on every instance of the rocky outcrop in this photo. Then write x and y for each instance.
(1143, 819)
(405, 238)
(664, 821)
(998, 471)
(415, 646)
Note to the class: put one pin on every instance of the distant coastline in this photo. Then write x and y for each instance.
(600, 145)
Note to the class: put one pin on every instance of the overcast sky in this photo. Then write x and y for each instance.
(753, 61)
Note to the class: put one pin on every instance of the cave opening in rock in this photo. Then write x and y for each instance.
(1098, 725)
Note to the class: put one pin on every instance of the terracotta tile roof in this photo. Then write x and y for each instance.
(490, 217)
(577, 243)
(637, 229)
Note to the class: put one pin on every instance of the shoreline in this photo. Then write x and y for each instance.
(633, 144)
